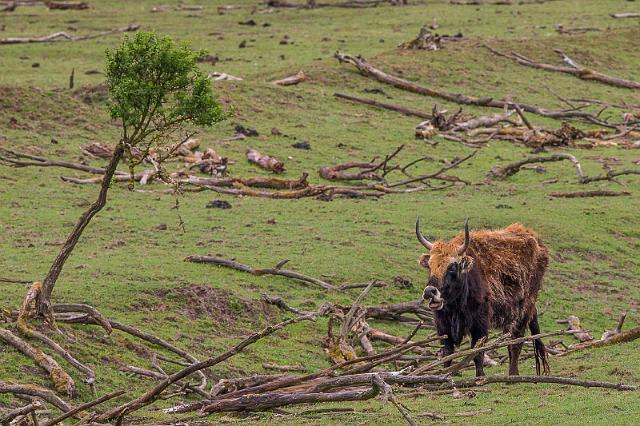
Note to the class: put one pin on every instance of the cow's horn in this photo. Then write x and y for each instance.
(421, 237)
(463, 248)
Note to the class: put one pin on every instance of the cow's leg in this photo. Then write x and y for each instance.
(539, 350)
(477, 333)
(514, 350)
(447, 349)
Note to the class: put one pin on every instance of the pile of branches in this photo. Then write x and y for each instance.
(385, 365)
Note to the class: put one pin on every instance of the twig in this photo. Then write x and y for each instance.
(62, 36)
(6, 418)
(434, 174)
(83, 407)
(35, 391)
(505, 171)
(396, 108)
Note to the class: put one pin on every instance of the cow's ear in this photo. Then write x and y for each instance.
(424, 261)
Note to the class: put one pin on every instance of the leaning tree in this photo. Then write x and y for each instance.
(159, 97)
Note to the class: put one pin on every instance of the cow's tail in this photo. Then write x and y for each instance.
(539, 351)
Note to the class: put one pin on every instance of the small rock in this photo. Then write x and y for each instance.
(162, 227)
(276, 132)
(402, 282)
(35, 65)
(271, 221)
(245, 130)
(218, 204)
(250, 23)
(301, 145)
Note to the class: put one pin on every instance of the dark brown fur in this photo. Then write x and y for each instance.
(494, 284)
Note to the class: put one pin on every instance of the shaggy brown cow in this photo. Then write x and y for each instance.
(486, 279)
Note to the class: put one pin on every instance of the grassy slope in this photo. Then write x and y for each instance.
(594, 241)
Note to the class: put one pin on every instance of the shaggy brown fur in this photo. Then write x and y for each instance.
(508, 266)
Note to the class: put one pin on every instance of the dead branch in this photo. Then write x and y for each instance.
(482, 121)
(573, 69)
(7, 418)
(35, 391)
(61, 380)
(624, 15)
(611, 175)
(585, 194)
(252, 182)
(368, 70)
(83, 407)
(623, 337)
(14, 280)
(453, 165)
(62, 36)
(299, 77)
(396, 108)
(94, 317)
(153, 394)
(67, 5)
(502, 172)
(17, 159)
(610, 333)
(285, 368)
(266, 271)
(575, 326)
(428, 41)
(485, 380)
(264, 161)
(367, 170)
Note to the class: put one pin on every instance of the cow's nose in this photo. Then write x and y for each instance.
(429, 292)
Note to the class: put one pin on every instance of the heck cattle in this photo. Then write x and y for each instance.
(486, 279)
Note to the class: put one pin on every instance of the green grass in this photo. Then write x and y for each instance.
(595, 242)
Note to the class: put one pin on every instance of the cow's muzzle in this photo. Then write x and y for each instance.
(432, 296)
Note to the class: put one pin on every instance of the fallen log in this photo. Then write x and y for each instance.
(264, 161)
(8, 417)
(299, 77)
(277, 270)
(585, 194)
(62, 36)
(368, 70)
(623, 337)
(396, 108)
(62, 381)
(21, 159)
(573, 69)
(501, 172)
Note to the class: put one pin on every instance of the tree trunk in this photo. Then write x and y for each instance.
(43, 305)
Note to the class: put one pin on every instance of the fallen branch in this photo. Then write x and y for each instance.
(435, 174)
(35, 391)
(365, 68)
(624, 15)
(61, 380)
(485, 380)
(264, 161)
(62, 36)
(585, 194)
(153, 394)
(8, 417)
(623, 337)
(501, 172)
(17, 159)
(294, 79)
(367, 170)
(396, 108)
(66, 5)
(83, 407)
(277, 270)
(573, 69)
(575, 327)
(611, 175)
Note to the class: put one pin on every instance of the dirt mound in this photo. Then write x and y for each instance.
(198, 301)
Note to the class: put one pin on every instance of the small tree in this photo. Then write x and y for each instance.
(157, 94)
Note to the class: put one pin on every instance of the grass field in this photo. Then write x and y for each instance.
(135, 273)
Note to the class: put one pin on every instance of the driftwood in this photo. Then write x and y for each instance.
(264, 161)
(62, 36)
(501, 172)
(61, 380)
(35, 391)
(299, 77)
(585, 194)
(383, 105)
(365, 68)
(573, 68)
(276, 270)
